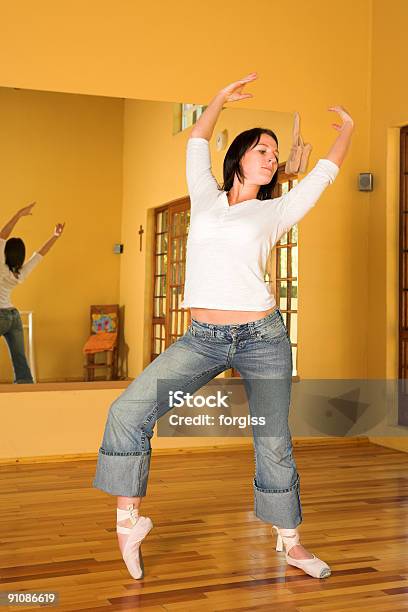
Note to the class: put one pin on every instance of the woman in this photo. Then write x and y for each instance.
(235, 323)
(13, 271)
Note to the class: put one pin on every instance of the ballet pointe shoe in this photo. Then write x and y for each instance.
(289, 538)
(299, 152)
(132, 552)
(306, 150)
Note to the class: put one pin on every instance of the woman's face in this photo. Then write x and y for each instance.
(260, 162)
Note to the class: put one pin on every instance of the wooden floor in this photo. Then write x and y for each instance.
(207, 551)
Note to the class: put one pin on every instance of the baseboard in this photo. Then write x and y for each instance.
(297, 443)
(65, 386)
(330, 441)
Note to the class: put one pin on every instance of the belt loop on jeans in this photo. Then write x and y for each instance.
(251, 327)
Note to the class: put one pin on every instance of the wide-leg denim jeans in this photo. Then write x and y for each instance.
(11, 327)
(261, 352)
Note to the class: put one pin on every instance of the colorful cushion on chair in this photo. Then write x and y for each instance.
(104, 322)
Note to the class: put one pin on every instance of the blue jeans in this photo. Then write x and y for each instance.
(11, 328)
(261, 352)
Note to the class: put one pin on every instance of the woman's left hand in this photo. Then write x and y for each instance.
(26, 210)
(344, 116)
(59, 228)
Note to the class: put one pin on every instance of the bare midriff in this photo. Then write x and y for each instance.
(228, 317)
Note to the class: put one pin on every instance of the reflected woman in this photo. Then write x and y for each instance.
(13, 272)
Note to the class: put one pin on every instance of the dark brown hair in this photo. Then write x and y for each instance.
(232, 161)
(14, 254)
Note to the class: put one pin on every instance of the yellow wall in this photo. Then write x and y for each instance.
(175, 55)
(389, 111)
(65, 152)
(309, 58)
(309, 52)
(70, 423)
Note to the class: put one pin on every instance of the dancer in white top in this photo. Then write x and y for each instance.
(13, 272)
(235, 323)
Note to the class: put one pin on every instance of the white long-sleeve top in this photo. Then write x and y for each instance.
(7, 279)
(228, 246)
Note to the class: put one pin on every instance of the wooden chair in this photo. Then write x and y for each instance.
(110, 363)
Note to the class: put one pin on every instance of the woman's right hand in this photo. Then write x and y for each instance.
(59, 228)
(233, 93)
(26, 210)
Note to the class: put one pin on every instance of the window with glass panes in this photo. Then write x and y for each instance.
(169, 320)
(188, 114)
(282, 270)
(403, 282)
(285, 264)
(171, 230)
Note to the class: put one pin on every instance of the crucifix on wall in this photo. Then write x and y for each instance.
(141, 232)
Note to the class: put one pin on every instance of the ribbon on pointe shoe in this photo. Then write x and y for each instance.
(132, 552)
(314, 567)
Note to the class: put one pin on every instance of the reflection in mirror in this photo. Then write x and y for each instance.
(95, 219)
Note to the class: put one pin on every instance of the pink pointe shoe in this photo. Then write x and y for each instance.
(132, 553)
(314, 567)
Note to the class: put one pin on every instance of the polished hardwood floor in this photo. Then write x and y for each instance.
(208, 551)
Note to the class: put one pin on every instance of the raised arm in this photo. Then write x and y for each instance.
(298, 201)
(205, 124)
(8, 228)
(202, 185)
(340, 146)
(57, 233)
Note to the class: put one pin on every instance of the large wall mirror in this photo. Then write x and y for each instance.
(110, 169)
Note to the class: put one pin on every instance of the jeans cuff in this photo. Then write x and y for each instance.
(279, 507)
(123, 474)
